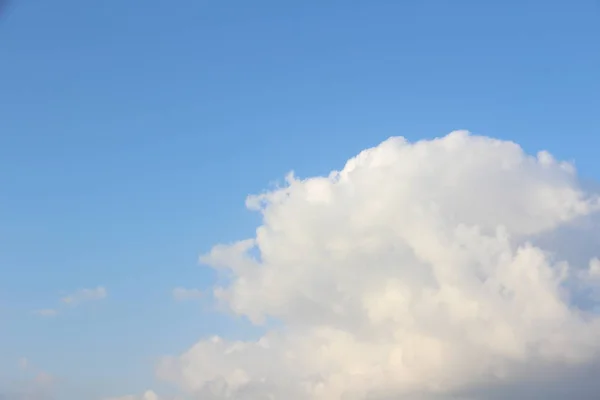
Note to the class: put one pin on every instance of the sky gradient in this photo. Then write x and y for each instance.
(132, 132)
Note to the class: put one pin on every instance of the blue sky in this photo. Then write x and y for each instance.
(132, 131)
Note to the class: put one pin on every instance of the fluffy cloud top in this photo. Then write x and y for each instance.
(413, 271)
(83, 295)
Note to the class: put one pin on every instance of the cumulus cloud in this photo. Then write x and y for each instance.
(415, 271)
(182, 294)
(83, 295)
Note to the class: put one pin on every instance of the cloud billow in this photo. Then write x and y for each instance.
(415, 271)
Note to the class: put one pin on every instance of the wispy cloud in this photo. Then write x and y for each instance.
(181, 294)
(83, 295)
(73, 299)
(46, 312)
(38, 384)
(148, 395)
(23, 363)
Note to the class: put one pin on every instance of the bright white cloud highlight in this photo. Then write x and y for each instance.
(182, 294)
(83, 295)
(410, 272)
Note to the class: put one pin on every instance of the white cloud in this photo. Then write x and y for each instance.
(411, 272)
(181, 294)
(83, 295)
(46, 312)
(78, 297)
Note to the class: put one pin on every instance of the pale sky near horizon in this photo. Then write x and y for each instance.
(131, 133)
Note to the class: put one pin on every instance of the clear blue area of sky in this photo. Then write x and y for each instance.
(132, 131)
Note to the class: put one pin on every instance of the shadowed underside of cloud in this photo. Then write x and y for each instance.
(429, 270)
